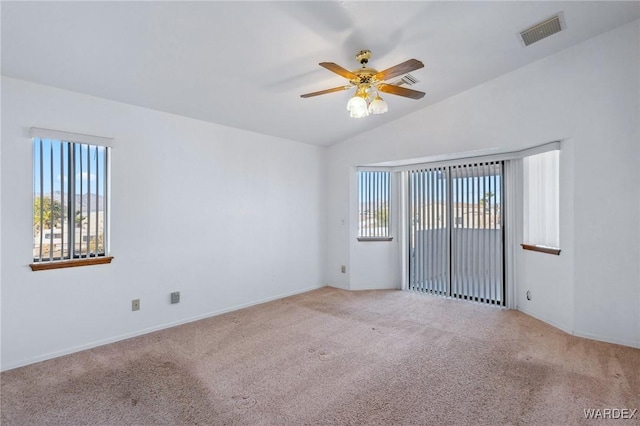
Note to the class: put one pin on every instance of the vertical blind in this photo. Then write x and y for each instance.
(542, 198)
(456, 242)
(477, 242)
(429, 235)
(373, 204)
(70, 200)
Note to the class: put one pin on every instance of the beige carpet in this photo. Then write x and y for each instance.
(334, 357)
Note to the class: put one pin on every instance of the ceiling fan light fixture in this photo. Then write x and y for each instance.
(359, 108)
(358, 105)
(359, 114)
(378, 106)
(356, 102)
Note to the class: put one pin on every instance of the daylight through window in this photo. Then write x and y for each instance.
(373, 205)
(542, 199)
(69, 200)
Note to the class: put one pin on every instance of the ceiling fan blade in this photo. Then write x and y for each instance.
(403, 68)
(322, 92)
(339, 70)
(400, 91)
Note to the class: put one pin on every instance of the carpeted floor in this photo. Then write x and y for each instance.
(335, 357)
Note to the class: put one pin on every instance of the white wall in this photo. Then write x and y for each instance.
(231, 218)
(587, 95)
(226, 217)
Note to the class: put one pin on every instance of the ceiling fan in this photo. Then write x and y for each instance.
(369, 83)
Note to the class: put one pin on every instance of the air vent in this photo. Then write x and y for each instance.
(408, 80)
(543, 30)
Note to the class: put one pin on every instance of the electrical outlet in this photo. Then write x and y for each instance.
(343, 269)
(175, 297)
(135, 305)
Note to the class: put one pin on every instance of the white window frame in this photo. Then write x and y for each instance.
(512, 199)
(71, 236)
(541, 201)
(379, 194)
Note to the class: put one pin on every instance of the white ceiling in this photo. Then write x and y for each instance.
(244, 64)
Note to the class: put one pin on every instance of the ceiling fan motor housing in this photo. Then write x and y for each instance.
(363, 56)
(365, 75)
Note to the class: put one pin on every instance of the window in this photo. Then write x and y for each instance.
(541, 202)
(70, 188)
(373, 206)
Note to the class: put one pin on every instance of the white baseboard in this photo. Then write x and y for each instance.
(125, 336)
(578, 333)
(607, 339)
(555, 324)
(341, 287)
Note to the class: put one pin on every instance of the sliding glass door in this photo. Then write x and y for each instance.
(429, 233)
(456, 233)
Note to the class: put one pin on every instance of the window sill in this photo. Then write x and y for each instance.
(375, 238)
(43, 266)
(541, 249)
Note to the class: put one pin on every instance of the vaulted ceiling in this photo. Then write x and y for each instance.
(244, 64)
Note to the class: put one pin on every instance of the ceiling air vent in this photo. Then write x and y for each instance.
(543, 29)
(408, 80)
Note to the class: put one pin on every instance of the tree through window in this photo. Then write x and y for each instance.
(70, 185)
